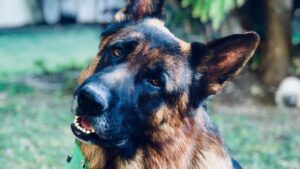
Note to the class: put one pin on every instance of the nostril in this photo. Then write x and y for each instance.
(86, 100)
(90, 100)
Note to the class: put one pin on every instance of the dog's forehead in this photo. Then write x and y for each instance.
(156, 29)
(152, 31)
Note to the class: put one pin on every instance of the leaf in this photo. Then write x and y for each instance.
(219, 15)
(214, 9)
(205, 11)
(186, 3)
(211, 10)
(240, 3)
(229, 5)
(197, 8)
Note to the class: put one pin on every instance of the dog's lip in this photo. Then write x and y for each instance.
(90, 136)
(120, 143)
(82, 124)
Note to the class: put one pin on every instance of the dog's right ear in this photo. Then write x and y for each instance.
(139, 9)
(216, 62)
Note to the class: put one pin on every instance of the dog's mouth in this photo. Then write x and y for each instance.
(82, 124)
(85, 132)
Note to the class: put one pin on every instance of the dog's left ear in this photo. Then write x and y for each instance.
(139, 9)
(216, 62)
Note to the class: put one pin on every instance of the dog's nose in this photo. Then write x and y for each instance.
(92, 99)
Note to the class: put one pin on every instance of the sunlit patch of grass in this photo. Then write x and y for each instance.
(269, 141)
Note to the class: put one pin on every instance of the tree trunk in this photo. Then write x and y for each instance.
(275, 58)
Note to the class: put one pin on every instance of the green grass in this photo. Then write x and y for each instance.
(36, 50)
(34, 129)
(266, 140)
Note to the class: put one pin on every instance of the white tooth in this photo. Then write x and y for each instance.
(84, 130)
(88, 132)
(93, 130)
(76, 117)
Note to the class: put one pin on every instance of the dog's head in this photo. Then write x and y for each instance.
(145, 82)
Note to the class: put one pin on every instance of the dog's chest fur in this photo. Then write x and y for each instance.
(200, 149)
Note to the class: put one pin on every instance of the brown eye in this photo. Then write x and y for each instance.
(155, 82)
(117, 52)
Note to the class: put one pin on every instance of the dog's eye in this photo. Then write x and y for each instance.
(155, 81)
(117, 52)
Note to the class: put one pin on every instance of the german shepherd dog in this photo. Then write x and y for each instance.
(141, 102)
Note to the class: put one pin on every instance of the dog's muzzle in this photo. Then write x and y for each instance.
(92, 99)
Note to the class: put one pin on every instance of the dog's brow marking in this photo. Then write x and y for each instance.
(116, 75)
(155, 22)
(160, 25)
(185, 47)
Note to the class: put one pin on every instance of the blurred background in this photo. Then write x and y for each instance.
(45, 43)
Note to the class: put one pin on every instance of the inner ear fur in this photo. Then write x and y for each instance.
(219, 60)
(139, 9)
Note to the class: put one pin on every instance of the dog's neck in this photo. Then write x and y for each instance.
(204, 151)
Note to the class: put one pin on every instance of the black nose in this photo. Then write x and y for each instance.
(92, 99)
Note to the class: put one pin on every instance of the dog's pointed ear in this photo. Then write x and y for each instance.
(217, 61)
(139, 9)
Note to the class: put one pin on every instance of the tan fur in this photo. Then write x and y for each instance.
(94, 154)
(183, 140)
(195, 149)
(186, 143)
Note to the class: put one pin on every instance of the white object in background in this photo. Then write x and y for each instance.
(15, 13)
(51, 11)
(105, 10)
(86, 11)
(288, 93)
(69, 8)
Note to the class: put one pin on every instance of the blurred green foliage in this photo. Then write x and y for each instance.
(211, 10)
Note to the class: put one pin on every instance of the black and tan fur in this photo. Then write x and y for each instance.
(150, 89)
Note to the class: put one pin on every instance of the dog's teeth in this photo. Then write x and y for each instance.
(88, 132)
(76, 117)
(93, 130)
